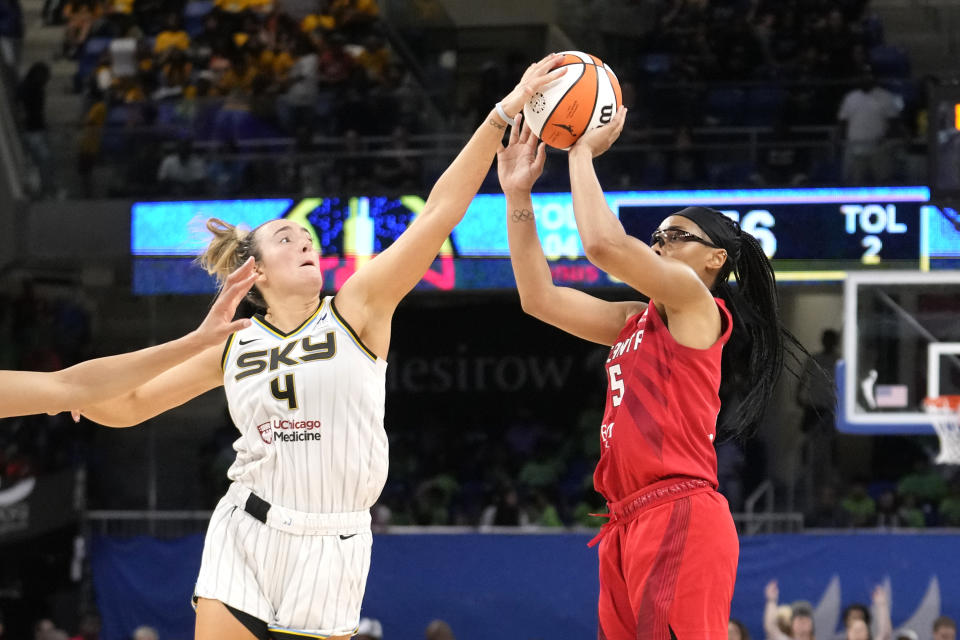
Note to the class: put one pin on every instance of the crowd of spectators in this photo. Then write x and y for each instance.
(242, 79)
(769, 57)
(923, 498)
(796, 621)
(289, 101)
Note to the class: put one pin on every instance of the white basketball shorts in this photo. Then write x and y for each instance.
(301, 573)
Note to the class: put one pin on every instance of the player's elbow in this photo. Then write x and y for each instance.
(601, 250)
(531, 304)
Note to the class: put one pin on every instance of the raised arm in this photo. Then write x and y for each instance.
(882, 623)
(518, 166)
(26, 392)
(367, 300)
(770, 627)
(609, 247)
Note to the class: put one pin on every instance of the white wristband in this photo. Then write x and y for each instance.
(507, 120)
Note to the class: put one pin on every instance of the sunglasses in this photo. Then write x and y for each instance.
(663, 236)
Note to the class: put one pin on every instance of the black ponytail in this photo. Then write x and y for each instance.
(760, 346)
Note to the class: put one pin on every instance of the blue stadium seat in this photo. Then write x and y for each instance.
(889, 61)
(194, 14)
(725, 106)
(90, 54)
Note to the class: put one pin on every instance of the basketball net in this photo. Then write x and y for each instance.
(944, 412)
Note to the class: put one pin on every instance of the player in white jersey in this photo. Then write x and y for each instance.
(288, 548)
(27, 392)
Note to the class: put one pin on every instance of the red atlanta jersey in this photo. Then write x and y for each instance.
(662, 404)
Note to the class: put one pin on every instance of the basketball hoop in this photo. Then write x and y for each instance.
(944, 412)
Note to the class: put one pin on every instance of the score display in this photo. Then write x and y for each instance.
(810, 234)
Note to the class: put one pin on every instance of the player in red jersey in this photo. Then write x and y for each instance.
(668, 554)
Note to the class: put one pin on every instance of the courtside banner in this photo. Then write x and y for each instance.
(35, 505)
(535, 585)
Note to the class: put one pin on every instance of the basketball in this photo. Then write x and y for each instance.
(587, 96)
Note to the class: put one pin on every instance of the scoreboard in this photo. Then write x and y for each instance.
(809, 234)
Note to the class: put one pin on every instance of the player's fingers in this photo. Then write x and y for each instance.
(233, 294)
(541, 157)
(548, 61)
(237, 325)
(531, 140)
(242, 271)
(540, 80)
(524, 134)
(514, 130)
(75, 414)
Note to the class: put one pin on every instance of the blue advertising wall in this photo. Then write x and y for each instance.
(526, 587)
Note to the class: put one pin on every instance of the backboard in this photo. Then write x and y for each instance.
(901, 344)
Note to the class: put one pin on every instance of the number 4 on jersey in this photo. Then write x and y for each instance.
(288, 392)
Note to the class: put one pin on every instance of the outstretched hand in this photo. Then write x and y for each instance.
(520, 163)
(536, 75)
(598, 140)
(219, 323)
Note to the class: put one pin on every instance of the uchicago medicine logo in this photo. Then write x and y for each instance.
(289, 430)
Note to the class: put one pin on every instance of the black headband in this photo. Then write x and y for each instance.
(722, 231)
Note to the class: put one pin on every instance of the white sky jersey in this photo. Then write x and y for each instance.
(309, 406)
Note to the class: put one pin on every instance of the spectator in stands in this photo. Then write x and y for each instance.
(183, 172)
(398, 171)
(736, 630)
(782, 163)
(11, 34)
(374, 58)
(852, 613)
(145, 633)
(369, 629)
(91, 137)
(869, 120)
(32, 96)
(949, 509)
(335, 65)
(859, 507)
(440, 630)
(906, 634)
(300, 98)
(857, 619)
(89, 628)
(80, 16)
(42, 627)
(920, 492)
(944, 628)
(172, 38)
(505, 510)
(801, 619)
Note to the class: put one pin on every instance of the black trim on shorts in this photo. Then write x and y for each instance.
(254, 625)
(257, 507)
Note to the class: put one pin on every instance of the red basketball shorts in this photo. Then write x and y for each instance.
(668, 571)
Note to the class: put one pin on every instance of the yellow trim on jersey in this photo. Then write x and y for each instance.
(304, 634)
(353, 334)
(266, 326)
(226, 352)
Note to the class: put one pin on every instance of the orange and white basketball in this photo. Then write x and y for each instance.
(587, 96)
